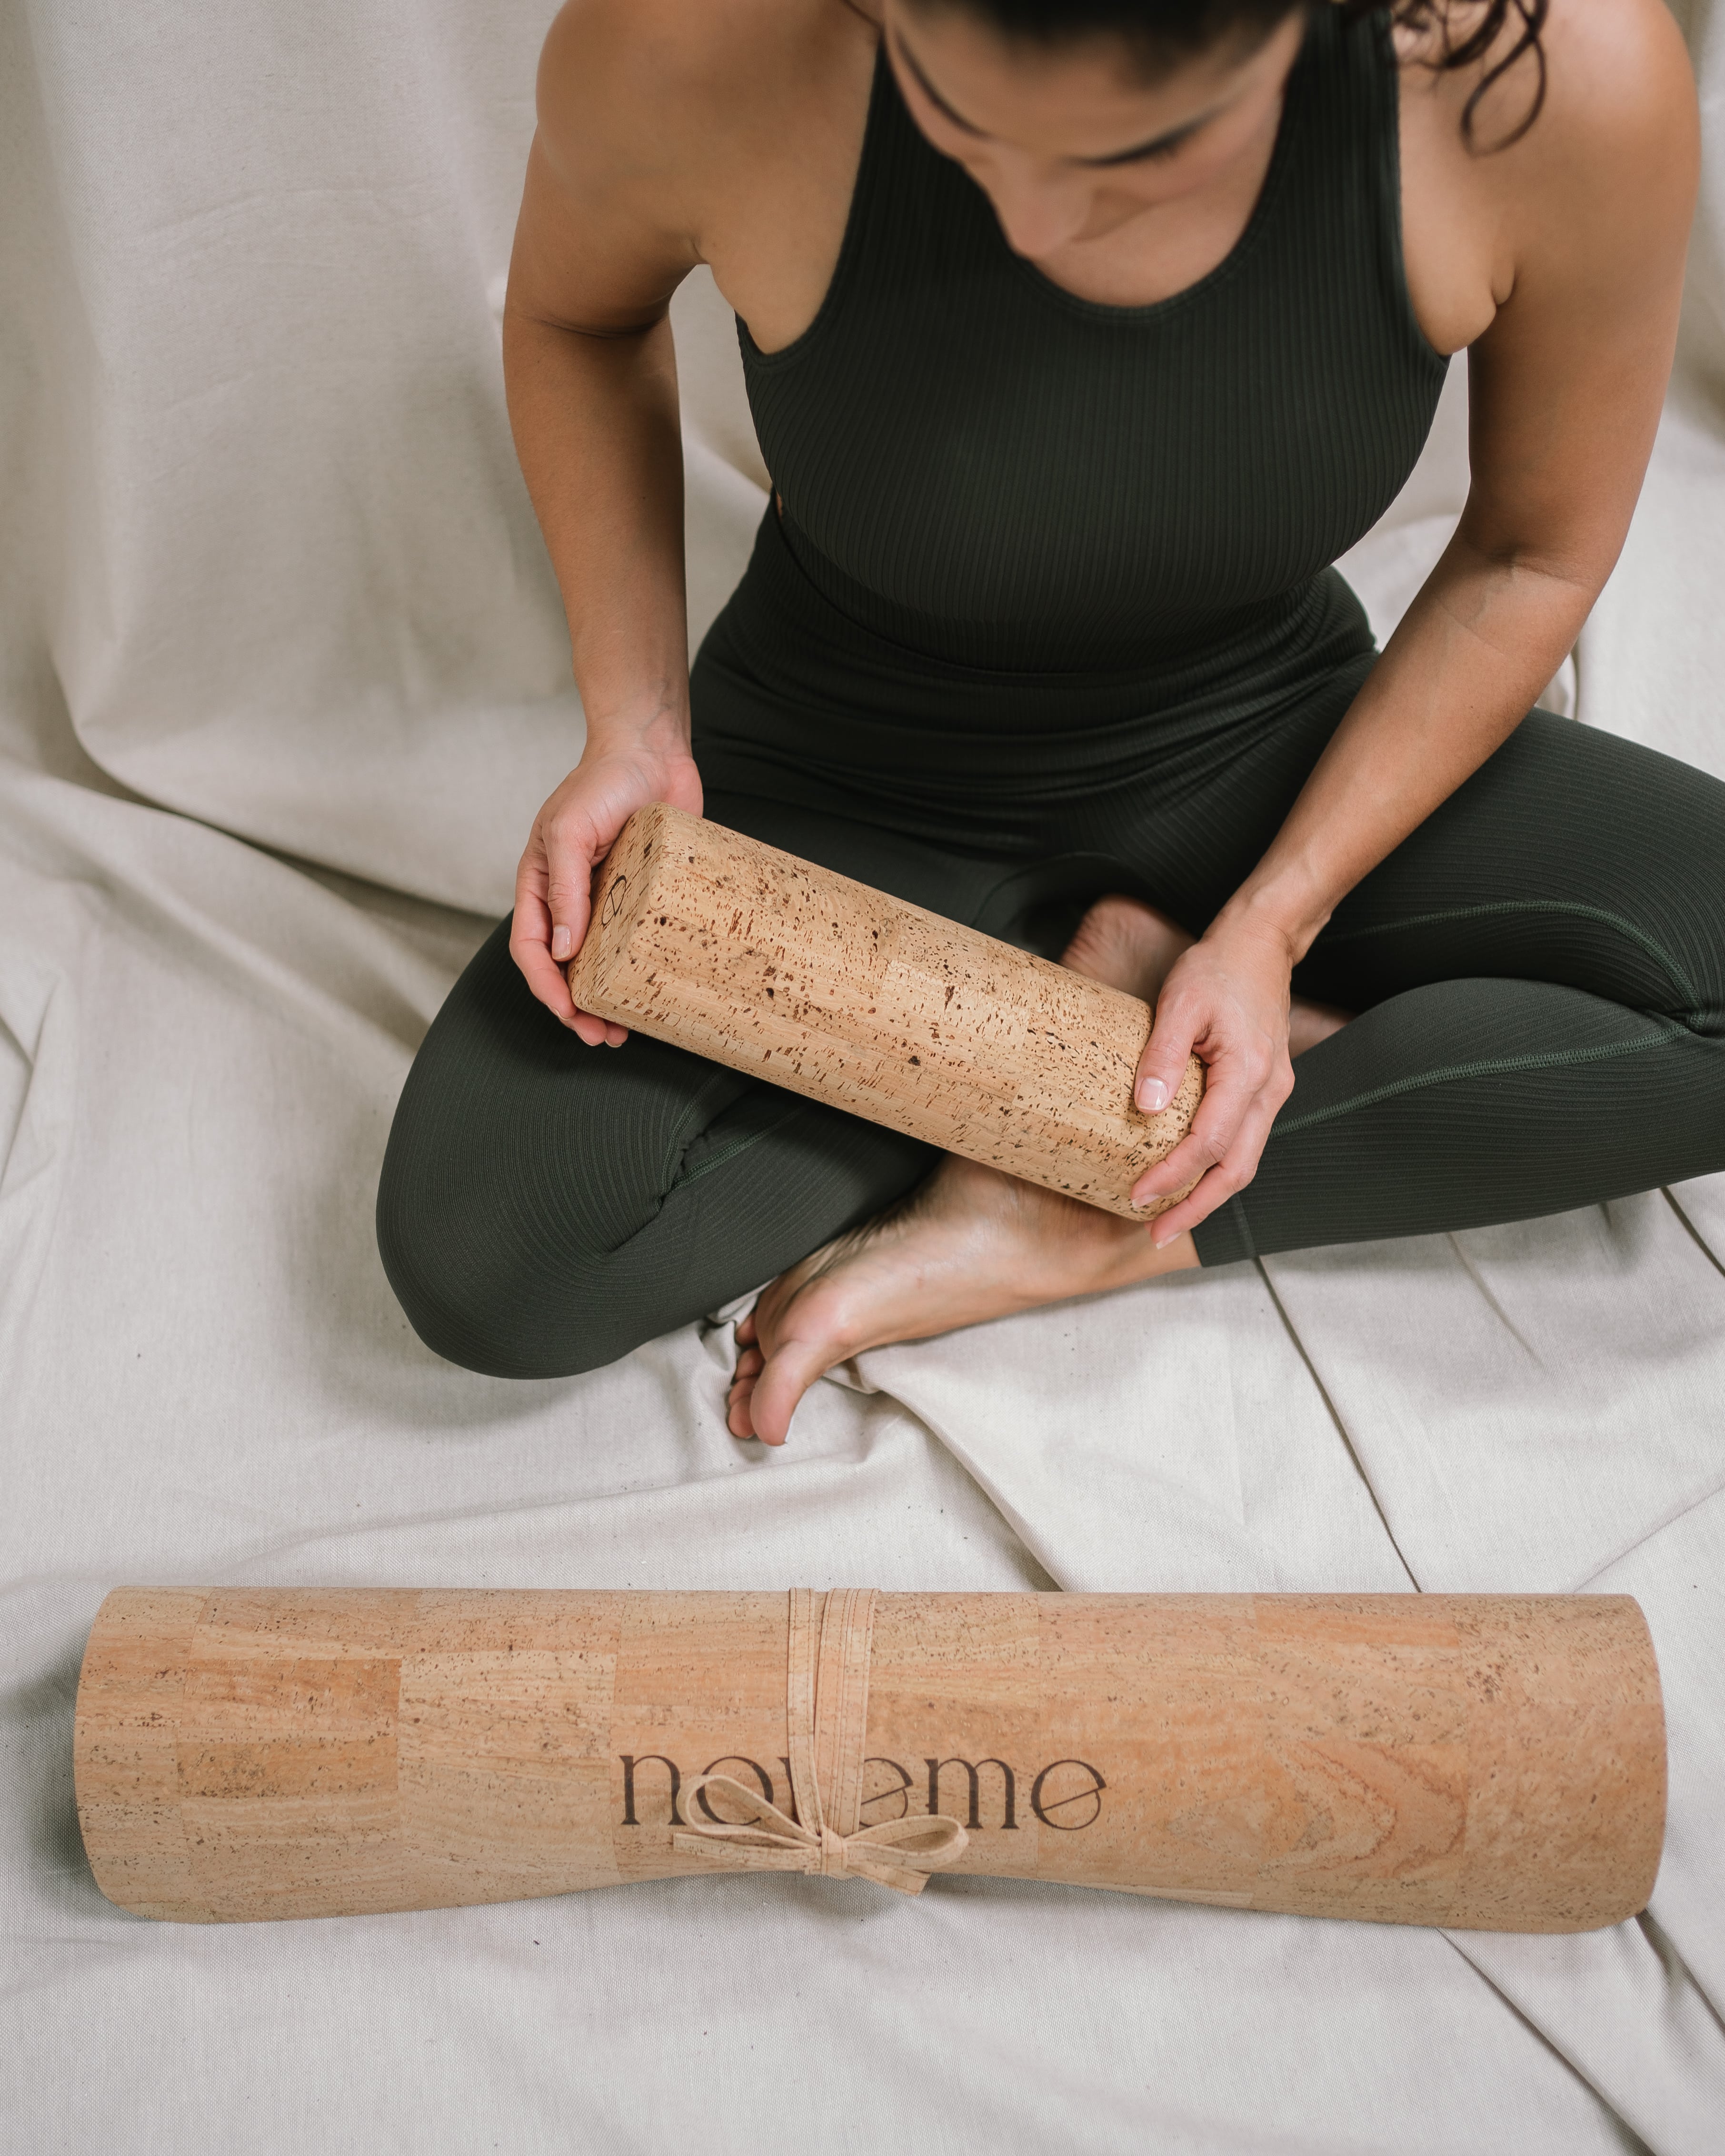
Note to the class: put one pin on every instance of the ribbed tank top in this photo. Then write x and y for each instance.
(978, 467)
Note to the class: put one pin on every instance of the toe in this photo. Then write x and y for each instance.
(738, 1420)
(790, 1371)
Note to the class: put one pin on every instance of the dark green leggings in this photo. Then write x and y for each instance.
(1540, 973)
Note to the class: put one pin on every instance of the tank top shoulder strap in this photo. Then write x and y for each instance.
(887, 173)
(1345, 120)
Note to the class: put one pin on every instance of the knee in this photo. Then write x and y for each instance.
(521, 1180)
(505, 1282)
(476, 1303)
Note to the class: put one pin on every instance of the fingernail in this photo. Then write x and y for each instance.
(1162, 1242)
(561, 940)
(1153, 1094)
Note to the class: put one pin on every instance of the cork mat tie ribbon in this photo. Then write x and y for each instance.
(826, 1713)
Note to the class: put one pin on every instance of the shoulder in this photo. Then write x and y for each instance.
(1618, 109)
(672, 133)
(1590, 196)
(650, 94)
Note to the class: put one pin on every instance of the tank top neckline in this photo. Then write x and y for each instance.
(884, 92)
(1270, 191)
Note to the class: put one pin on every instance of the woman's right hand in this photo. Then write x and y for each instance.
(575, 830)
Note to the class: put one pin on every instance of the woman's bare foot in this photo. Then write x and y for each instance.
(971, 1244)
(1127, 944)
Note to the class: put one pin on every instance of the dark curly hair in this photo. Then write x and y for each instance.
(1163, 33)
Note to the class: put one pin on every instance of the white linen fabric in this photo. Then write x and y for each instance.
(283, 681)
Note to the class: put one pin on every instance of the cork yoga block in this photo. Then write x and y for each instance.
(1493, 1762)
(746, 955)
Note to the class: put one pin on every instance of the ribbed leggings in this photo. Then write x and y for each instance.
(1539, 971)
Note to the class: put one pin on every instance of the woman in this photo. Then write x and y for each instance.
(1082, 335)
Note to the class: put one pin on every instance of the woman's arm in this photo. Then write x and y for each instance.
(1581, 229)
(591, 382)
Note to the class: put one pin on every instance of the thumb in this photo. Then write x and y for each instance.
(568, 894)
(1162, 1065)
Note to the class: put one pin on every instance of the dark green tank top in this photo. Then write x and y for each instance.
(976, 466)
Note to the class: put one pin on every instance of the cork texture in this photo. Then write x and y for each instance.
(783, 970)
(1488, 1762)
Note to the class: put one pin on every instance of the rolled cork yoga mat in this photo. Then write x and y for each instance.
(773, 966)
(1489, 1761)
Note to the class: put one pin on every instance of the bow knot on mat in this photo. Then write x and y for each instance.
(900, 1854)
(826, 1714)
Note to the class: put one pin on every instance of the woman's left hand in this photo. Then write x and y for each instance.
(1225, 1001)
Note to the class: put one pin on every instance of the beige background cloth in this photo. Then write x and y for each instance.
(282, 679)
